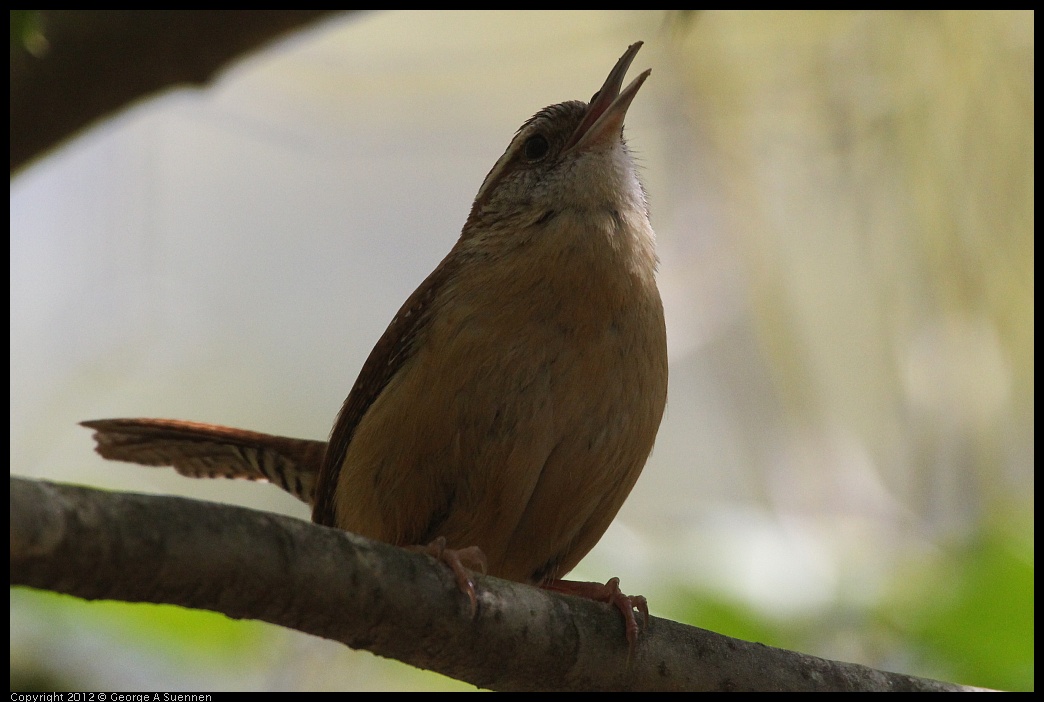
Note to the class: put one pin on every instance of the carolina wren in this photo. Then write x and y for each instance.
(513, 400)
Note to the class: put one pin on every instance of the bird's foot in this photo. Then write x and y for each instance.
(609, 593)
(462, 561)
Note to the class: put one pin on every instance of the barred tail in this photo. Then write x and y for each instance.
(211, 451)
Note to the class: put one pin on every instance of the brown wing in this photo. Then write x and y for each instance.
(211, 451)
(392, 350)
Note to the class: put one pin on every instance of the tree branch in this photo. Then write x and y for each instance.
(70, 68)
(255, 565)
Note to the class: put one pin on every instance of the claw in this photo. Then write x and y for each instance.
(463, 562)
(609, 593)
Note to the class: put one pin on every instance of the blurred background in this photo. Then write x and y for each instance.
(844, 210)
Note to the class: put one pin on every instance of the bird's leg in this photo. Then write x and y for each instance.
(609, 593)
(462, 561)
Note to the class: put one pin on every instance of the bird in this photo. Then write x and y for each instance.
(509, 407)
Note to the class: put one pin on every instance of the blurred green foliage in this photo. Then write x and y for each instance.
(964, 616)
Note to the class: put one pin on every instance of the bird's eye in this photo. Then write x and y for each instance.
(535, 148)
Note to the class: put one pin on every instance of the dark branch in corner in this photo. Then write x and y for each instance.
(255, 565)
(70, 68)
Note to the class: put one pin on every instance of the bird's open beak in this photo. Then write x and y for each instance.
(605, 115)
